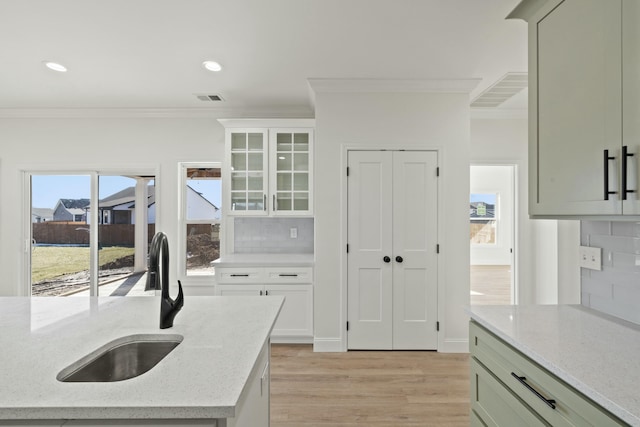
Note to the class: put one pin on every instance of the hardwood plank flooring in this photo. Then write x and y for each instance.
(368, 388)
(490, 284)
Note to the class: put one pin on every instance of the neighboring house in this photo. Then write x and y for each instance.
(74, 210)
(119, 208)
(41, 215)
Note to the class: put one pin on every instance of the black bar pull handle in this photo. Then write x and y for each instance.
(606, 175)
(287, 275)
(523, 380)
(239, 275)
(264, 203)
(625, 155)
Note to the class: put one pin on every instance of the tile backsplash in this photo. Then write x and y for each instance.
(616, 289)
(272, 235)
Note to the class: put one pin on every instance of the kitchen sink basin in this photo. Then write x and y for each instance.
(121, 359)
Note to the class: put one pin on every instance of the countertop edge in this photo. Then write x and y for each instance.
(565, 376)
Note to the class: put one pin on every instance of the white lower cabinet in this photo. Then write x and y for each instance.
(295, 322)
(509, 389)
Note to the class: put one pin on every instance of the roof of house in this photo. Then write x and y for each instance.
(75, 203)
(125, 196)
(42, 212)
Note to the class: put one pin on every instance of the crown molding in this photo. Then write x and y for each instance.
(267, 123)
(499, 113)
(392, 85)
(525, 9)
(152, 113)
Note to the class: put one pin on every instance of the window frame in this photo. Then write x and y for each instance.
(183, 221)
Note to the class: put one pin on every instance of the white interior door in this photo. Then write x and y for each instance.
(414, 250)
(369, 277)
(392, 230)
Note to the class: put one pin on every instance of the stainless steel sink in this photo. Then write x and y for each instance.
(121, 359)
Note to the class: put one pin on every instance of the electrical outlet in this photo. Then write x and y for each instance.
(591, 258)
(293, 232)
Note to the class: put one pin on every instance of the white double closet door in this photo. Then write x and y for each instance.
(392, 258)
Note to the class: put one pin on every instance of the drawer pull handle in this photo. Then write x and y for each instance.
(287, 275)
(523, 380)
(239, 275)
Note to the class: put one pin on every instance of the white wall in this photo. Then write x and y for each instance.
(493, 179)
(394, 120)
(97, 144)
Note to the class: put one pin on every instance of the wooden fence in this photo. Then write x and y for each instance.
(53, 233)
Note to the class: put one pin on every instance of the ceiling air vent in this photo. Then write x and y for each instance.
(209, 98)
(509, 85)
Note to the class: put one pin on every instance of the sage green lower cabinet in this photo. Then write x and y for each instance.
(509, 389)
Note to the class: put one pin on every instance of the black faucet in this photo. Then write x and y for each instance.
(168, 307)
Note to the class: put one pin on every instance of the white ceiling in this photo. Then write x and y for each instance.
(148, 53)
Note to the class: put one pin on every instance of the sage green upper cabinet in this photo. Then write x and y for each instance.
(268, 167)
(581, 54)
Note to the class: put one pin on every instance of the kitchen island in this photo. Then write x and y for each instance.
(208, 379)
(579, 362)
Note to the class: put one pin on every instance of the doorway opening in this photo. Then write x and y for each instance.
(492, 224)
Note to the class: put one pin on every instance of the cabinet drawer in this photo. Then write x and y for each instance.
(506, 364)
(289, 274)
(239, 275)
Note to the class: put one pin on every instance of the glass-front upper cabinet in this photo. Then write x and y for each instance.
(291, 174)
(248, 163)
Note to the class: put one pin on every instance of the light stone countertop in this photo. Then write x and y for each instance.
(202, 378)
(595, 353)
(264, 260)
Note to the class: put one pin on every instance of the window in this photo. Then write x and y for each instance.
(201, 214)
(76, 248)
(483, 218)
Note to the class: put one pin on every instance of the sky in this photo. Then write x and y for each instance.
(46, 190)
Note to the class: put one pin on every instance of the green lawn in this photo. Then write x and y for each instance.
(48, 262)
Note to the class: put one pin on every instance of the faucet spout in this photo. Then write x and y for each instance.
(158, 278)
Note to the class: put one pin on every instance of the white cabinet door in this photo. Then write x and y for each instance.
(576, 107)
(247, 171)
(239, 290)
(296, 316)
(392, 265)
(291, 171)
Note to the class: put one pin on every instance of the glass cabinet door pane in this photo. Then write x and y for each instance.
(284, 201)
(238, 161)
(300, 201)
(238, 141)
(301, 162)
(256, 181)
(284, 162)
(255, 201)
(238, 181)
(300, 142)
(238, 201)
(284, 182)
(283, 142)
(255, 142)
(301, 181)
(255, 162)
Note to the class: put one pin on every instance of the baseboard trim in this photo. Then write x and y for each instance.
(455, 346)
(328, 345)
(291, 340)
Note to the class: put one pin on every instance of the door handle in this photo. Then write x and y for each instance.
(386, 259)
(606, 174)
(399, 259)
(625, 156)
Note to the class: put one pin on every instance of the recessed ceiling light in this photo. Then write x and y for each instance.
(55, 66)
(212, 65)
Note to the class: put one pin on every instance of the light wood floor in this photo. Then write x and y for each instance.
(490, 284)
(368, 388)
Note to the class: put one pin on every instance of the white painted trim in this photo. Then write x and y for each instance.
(328, 345)
(294, 339)
(118, 113)
(455, 346)
(526, 9)
(418, 145)
(393, 85)
(267, 123)
(499, 113)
